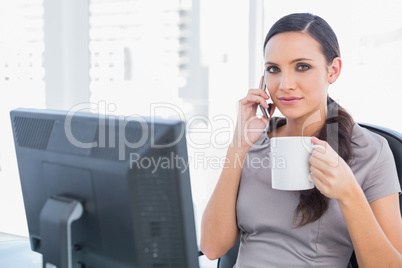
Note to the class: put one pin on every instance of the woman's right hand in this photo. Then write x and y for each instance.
(219, 230)
(249, 127)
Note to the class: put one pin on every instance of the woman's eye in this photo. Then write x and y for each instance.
(272, 69)
(303, 67)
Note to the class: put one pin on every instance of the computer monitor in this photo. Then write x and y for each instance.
(105, 191)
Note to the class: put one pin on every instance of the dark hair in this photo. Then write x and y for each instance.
(312, 25)
(337, 129)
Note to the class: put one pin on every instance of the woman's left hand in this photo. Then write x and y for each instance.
(330, 173)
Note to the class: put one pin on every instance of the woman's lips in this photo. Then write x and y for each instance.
(289, 100)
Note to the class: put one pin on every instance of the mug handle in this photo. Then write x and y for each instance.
(317, 145)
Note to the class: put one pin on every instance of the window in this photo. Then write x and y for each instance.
(22, 85)
(136, 53)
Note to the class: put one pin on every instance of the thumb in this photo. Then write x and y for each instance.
(265, 120)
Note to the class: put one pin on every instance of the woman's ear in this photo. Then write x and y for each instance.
(334, 70)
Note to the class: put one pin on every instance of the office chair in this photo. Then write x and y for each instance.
(394, 139)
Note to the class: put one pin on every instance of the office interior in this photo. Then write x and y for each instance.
(184, 59)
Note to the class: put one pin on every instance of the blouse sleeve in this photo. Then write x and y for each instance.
(382, 179)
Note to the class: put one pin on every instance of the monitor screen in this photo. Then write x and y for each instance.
(104, 190)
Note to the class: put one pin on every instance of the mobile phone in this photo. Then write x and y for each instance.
(265, 112)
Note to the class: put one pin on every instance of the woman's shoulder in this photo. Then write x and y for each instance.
(364, 138)
(368, 145)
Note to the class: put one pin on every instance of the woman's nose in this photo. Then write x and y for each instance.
(287, 82)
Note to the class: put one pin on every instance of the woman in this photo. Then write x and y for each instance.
(354, 204)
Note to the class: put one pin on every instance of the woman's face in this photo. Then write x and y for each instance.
(297, 74)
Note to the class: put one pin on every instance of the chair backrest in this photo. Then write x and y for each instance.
(394, 139)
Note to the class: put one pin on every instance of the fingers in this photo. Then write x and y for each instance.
(324, 152)
(317, 164)
(315, 176)
(321, 145)
(256, 96)
(258, 92)
(265, 120)
(330, 173)
(324, 167)
(318, 178)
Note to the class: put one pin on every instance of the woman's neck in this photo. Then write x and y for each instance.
(305, 126)
(299, 128)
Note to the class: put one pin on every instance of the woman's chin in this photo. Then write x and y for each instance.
(291, 114)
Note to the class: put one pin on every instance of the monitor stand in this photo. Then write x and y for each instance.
(55, 228)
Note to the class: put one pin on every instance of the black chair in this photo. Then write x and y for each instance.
(394, 139)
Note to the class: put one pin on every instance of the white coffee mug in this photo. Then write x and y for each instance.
(291, 168)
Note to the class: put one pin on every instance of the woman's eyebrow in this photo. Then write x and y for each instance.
(300, 59)
(293, 61)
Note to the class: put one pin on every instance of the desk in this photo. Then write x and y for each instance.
(15, 251)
